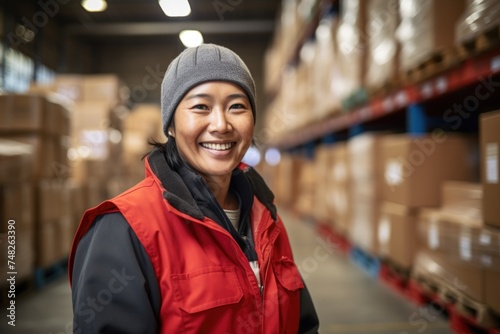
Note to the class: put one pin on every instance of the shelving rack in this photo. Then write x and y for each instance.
(413, 108)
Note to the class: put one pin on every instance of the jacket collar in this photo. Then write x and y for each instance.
(187, 200)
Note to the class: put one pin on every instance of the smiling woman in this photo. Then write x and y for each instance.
(200, 236)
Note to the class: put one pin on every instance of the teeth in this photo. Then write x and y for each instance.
(217, 147)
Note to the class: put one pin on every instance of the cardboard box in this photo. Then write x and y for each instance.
(91, 115)
(322, 166)
(365, 217)
(490, 170)
(289, 171)
(304, 202)
(21, 112)
(17, 203)
(492, 281)
(454, 275)
(474, 245)
(15, 161)
(43, 160)
(101, 87)
(462, 201)
(65, 231)
(365, 163)
(397, 229)
(416, 167)
(25, 255)
(424, 30)
(47, 244)
(351, 45)
(86, 169)
(69, 85)
(145, 118)
(383, 47)
(77, 197)
(339, 191)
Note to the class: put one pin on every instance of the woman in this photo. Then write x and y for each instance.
(197, 246)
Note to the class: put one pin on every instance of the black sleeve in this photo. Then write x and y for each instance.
(309, 322)
(114, 288)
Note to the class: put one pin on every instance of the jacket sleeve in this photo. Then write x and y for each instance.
(114, 289)
(309, 322)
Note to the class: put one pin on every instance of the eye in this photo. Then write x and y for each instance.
(237, 106)
(200, 107)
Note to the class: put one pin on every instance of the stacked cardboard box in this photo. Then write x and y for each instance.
(288, 174)
(414, 169)
(339, 188)
(141, 126)
(351, 46)
(16, 208)
(304, 202)
(322, 167)
(490, 170)
(455, 236)
(425, 31)
(479, 17)
(41, 121)
(383, 47)
(365, 165)
(326, 78)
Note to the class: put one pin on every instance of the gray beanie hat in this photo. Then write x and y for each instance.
(196, 65)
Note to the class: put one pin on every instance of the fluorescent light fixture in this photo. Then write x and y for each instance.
(175, 8)
(94, 5)
(191, 38)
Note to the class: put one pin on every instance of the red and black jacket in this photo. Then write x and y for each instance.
(160, 258)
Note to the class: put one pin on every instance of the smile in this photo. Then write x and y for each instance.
(218, 147)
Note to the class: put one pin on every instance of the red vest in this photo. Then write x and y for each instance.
(206, 282)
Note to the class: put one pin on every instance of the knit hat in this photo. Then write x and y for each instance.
(196, 65)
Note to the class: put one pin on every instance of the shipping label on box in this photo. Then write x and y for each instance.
(415, 167)
(491, 165)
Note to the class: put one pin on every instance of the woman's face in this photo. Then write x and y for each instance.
(214, 127)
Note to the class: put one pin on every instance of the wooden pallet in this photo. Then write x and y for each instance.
(436, 63)
(430, 286)
(487, 40)
(466, 312)
(394, 276)
(477, 313)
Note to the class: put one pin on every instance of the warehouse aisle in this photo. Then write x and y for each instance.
(47, 311)
(347, 300)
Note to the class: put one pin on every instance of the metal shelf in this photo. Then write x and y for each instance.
(467, 75)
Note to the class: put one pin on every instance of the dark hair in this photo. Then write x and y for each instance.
(169, 150)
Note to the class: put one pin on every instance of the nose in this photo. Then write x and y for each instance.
(219, 121)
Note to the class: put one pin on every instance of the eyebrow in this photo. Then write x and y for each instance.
(194, 96)
(208, 96)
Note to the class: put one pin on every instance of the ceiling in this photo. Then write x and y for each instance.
(143, 18)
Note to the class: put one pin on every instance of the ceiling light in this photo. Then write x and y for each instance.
(175, 8)
(94, 5)
(191, 38)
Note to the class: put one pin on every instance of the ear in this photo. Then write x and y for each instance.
(171, 132)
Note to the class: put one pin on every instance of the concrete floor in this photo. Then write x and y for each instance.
(346, 299)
